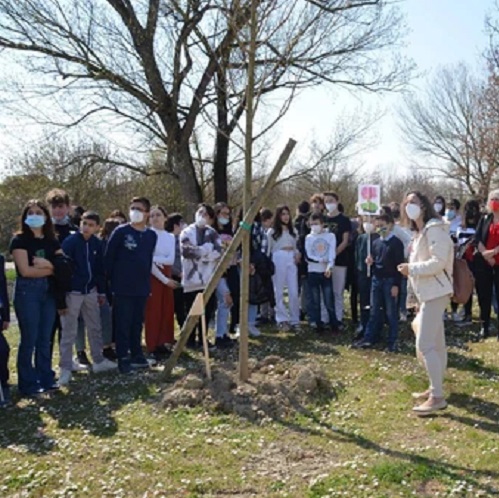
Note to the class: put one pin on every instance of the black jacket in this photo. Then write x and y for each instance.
(4, 296)
(482, 230)
(63, 273)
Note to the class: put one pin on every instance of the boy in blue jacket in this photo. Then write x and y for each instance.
(128, 262)
(4, 346)
(85, 297)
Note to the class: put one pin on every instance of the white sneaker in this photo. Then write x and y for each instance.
(64, 377)
(78, 367)
(253, 331)
(104, 366)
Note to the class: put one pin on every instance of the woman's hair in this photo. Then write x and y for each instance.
(208, 209)
(471, 213)
(160, 208)
(48, 227)
(108, 227)
(427, 209)
(439, 198)
(278, 223)
(116, 213)
(492, 194)
(226, 229)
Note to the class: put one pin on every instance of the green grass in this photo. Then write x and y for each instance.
(111, 436)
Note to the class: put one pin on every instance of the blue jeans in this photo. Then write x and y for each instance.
(35, 309)
(223, 310)
(128, 318)
(382, 304)
(316, 283)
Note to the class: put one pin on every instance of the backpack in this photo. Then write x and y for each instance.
(463, 281)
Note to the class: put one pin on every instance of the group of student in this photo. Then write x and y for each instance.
(111, 280)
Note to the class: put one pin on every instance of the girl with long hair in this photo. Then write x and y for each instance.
(33, 248)
(282, 247)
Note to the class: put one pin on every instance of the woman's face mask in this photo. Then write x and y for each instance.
(35, 220)
(316, 229)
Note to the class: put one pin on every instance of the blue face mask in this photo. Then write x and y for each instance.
(451, 214)
(223, 221)
(35, 220)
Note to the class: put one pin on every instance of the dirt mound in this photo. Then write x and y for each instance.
(276, 389)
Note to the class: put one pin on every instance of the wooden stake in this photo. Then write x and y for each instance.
(248, 176)
(198, 309)
(226, 259)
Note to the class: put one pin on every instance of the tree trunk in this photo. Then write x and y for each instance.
(191, 190)
(220, 162)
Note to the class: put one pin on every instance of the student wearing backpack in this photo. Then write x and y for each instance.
(430, 273)
(487, 260)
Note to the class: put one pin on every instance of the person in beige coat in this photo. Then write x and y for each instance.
(430, 272)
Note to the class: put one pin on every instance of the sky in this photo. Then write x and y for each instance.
(440, 32)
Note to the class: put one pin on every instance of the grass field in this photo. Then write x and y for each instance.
(111, 436)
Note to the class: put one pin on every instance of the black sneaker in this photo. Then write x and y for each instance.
(109, 353)
(162, 352)
(83, 358)
(139, 362)
(224, 342)
(124, 366)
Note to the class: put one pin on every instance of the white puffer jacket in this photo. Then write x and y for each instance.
(431, 261)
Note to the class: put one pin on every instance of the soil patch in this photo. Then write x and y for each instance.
(277, 388)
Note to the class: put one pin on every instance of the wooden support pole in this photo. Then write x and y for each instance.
(226, 259)
(248, 177)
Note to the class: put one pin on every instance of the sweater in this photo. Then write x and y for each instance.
(387, 254)
(164, 254)
(88, 263)
(320, 251)
(128, 260)
(200, 250)
(431, 261)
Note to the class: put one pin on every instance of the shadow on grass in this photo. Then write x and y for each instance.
(478, 407)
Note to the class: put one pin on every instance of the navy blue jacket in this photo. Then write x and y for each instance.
(88, 262)
(4, 296)
(387, 254)
(128, 260)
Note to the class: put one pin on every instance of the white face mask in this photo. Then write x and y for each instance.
(315, 229)
(136, 216)
(438, 207)
(413, 211)
(331, 207)
(200, 220)
(368, 227)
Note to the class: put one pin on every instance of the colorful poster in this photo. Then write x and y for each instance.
(369, 202)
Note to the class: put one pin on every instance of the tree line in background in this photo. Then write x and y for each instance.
(171, 77)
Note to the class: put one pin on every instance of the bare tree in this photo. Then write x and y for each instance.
(455, 123)
(157, 70)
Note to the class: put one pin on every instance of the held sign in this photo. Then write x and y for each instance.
(369, 200)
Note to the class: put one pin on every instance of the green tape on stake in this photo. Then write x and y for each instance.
(245, 226)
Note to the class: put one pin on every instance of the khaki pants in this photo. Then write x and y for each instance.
(88, 305)
(430, 342)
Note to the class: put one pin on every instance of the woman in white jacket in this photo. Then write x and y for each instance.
(430, 272)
